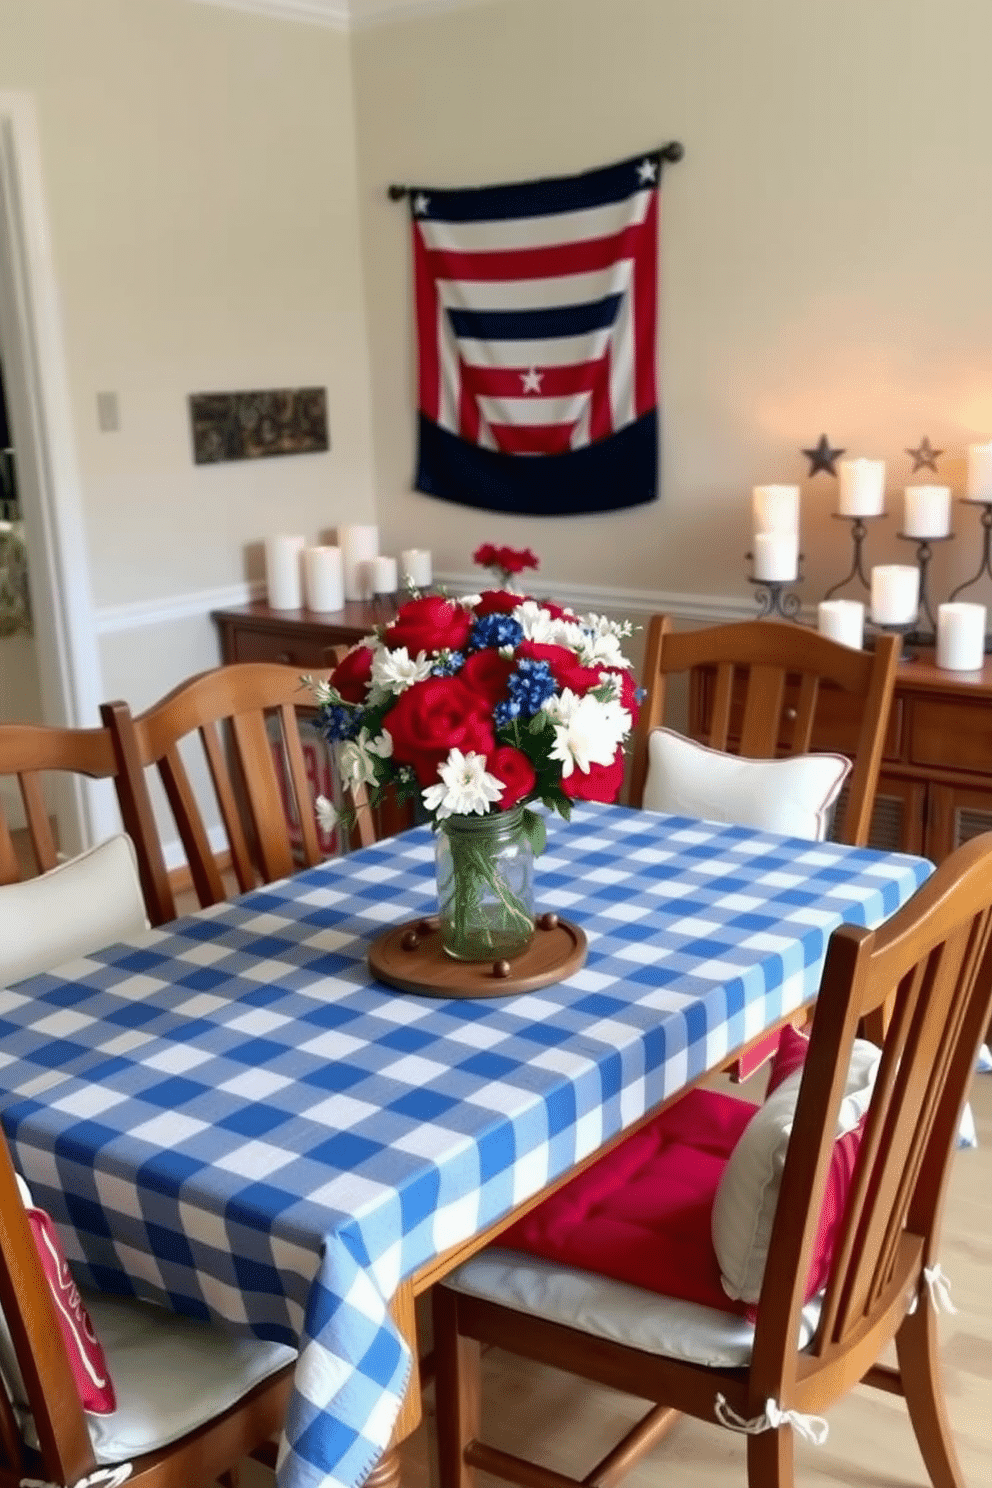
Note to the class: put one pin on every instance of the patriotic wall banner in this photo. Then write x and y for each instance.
(536, 330)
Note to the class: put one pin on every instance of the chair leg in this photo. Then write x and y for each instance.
(770, 1459)
(917, 1350)
(458, 1392)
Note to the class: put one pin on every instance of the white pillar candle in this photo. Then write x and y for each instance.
(283, 578)
(775, 508)
(383, 575)
(415, 566)
(895, 594)
(323, 579)
(842, 620)
(776, 556)
(980, 471)
(359, 545)
(927, 511)
(961, 637)
(862, 488)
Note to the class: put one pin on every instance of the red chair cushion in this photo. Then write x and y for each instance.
(86, 1357)
(642, 1213)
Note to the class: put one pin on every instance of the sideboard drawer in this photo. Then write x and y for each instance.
(299, 651)
(951, 733)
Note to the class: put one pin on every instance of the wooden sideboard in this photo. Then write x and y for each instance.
(935, 790)
(254, 632)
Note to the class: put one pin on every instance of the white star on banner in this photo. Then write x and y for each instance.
(421, 203)
(647, 170)
(532, 380)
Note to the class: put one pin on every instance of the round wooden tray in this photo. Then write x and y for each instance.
(410, 957)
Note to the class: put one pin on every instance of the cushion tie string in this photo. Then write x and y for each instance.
(104, 1477)
(939, 1287)
(811, 1428)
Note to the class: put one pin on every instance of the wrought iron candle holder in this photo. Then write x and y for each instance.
(924, 553)
(985, 567)
(858, 534)
(873, 628)
(774, 596)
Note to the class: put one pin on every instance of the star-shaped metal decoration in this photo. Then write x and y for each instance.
(924, 456)
(822, 456)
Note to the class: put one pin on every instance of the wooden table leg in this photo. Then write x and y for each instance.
(386, 1473)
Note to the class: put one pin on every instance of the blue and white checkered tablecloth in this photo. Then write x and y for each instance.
(230, 1117)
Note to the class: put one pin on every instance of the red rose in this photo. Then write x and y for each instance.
(429, 624)
(352, 673)
(486, 673)
(513, 560)
(497, 602)
(565, 666)
(556, 611)
(600, 783)
(516, 772)
(433, 717)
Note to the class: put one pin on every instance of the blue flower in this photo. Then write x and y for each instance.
(505, 713)
(496, 630)
(530, 685)
(448, 663)
(340, 723)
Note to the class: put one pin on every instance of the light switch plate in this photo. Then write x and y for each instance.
(108, 413)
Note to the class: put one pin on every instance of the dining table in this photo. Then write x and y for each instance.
(230, 1116)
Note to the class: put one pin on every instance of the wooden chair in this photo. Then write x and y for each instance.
(230, 710)
(767, 697)
(934, 959)
(233, 1405)
(29, 752)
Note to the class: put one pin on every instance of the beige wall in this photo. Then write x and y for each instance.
(824, 255)
(216, 186)
(199, 168)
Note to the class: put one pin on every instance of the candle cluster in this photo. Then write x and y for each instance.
(326, 576)
(897, 592)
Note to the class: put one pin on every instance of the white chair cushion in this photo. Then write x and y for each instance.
(792, 796)
(747, 1194)
(170, 1374)
(614, 1310)
(82, 905)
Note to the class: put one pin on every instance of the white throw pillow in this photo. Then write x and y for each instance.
(792, 796)
(82, 905)
(747, 1194)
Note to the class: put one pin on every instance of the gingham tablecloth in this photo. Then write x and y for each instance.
(230, 1117)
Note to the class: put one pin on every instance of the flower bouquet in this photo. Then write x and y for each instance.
(477, 708)
(505, 563)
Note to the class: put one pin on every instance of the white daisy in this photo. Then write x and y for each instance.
(537, 623)
(587, 732)
(467, 789)
(356, 758)
(395, 671)
(599, 642)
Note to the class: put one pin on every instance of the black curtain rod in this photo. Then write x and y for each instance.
(671, 152)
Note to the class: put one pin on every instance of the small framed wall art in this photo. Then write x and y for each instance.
(255, 425)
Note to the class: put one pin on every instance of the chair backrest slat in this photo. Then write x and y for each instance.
(766, 687)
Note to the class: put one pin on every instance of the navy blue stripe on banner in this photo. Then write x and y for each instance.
(595, 188)
(609, 475)
(536, 325)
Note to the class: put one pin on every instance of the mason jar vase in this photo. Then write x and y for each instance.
(485, 885)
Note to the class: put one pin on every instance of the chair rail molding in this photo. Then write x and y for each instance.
(701, 608)
(344, 15)
(38, 389)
